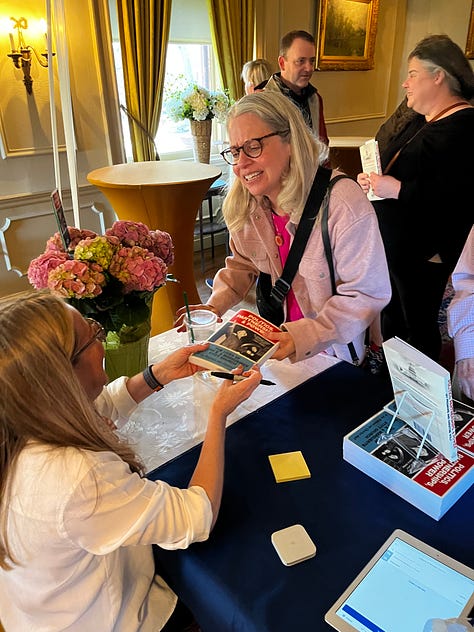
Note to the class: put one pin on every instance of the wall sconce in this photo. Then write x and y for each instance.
(21, 52)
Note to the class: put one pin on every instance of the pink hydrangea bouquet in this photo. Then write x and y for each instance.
(110, 277)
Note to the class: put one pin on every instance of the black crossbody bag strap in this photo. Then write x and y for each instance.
(308, 217)
(328, 253)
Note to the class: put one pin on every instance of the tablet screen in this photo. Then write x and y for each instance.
(404, 586)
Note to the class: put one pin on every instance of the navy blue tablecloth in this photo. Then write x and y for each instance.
(235, 581)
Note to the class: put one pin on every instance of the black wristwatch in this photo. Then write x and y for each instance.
(151, 380)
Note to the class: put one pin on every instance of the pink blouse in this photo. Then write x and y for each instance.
(282, 239)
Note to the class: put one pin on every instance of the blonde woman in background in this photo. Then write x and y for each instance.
(254, 73)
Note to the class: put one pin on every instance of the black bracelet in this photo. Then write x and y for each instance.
(151, 380)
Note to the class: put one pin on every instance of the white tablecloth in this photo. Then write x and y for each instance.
(173, 420)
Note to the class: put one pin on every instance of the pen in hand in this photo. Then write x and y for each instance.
(237, 378)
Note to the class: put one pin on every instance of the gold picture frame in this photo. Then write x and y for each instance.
(470, 36)
(346, 34)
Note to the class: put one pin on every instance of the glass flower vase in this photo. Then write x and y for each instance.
(125, 358)
(126, 350)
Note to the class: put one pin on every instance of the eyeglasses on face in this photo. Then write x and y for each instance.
(97, 333)
(251, 148)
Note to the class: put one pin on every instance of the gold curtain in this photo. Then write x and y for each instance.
(144, 31)
(232, 31)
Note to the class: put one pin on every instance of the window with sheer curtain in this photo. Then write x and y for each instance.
(190, 57)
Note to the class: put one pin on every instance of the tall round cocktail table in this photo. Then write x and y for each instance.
(166, 195)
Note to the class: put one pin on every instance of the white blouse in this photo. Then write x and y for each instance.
(81, 525)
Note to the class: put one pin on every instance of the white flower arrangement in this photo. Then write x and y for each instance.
(197, 103)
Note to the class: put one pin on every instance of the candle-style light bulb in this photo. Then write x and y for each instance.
(43, 28)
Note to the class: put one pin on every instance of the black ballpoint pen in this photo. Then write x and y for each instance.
(237, 378)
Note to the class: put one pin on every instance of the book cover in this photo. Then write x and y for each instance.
(240, 340)
(464, 425)
(58, 210)
(370, 159)
(289, 466)
(427, 480)
(422, 391)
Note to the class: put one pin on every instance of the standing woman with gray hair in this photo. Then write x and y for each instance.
(275, 158)
(426, 211)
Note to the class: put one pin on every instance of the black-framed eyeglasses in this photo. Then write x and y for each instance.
(251, 148)
(98, 333)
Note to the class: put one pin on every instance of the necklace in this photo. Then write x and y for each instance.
(279, 225)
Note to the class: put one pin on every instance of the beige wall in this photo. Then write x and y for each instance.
(27, 170)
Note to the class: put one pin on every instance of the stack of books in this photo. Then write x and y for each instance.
(421, 445)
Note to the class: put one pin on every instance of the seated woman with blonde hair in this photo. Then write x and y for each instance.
(77, 518)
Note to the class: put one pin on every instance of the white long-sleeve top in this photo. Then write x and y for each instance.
(461, 308)
(81, 526)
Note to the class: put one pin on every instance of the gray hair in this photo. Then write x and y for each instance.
(441, 51)
(453, 84)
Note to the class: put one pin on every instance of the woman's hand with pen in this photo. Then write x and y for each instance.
(209, 472)
(233, 393)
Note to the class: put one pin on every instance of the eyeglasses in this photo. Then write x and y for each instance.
(251, 148)
(98, 333)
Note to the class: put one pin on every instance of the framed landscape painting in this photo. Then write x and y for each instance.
(346, 34)
(470, 36)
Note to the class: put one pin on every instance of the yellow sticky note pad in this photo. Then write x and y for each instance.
(289, 466)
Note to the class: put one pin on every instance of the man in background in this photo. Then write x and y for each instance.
(296, 61)
(461, 321)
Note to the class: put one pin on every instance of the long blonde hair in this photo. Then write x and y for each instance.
(41, 398)
(306, 154)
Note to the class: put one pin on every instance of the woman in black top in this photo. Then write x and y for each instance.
(426, 211)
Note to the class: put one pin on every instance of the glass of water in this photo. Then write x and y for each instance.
(200, 324)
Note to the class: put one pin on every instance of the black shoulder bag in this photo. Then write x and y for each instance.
(270, 299)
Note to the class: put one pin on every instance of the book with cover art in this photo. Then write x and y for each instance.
(58, 210)
(370, 159)
(422, 390)
(241, 340)
(388, 451)
(464, 425)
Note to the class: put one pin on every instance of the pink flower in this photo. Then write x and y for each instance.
(76, 279)
(138, 269)
(162, 246)
(130, 233)
(40, 267)
(76, 235)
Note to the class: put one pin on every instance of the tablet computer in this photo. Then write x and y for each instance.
(404, 585)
